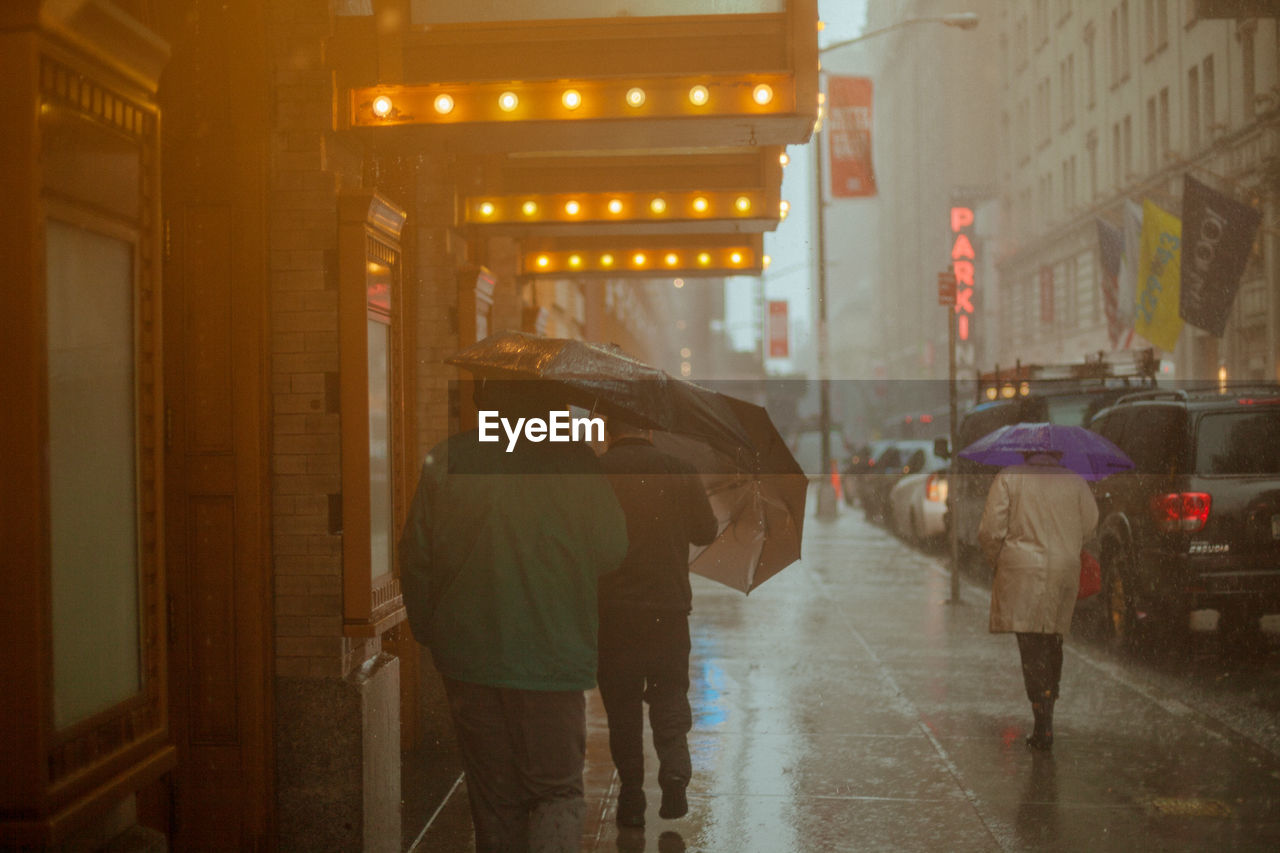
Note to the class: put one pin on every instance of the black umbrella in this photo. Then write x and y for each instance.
(756, 488)
(602, 378)
(757, 491)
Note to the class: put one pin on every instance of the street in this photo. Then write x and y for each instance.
(845, 705)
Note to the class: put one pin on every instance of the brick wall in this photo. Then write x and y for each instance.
(309, 166)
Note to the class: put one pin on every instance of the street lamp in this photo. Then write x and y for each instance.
(826, 490)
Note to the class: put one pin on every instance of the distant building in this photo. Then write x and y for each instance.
(1105, 101)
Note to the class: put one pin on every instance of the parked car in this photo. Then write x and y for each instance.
(896, 461)
(860, 463)
(918, 501)
(1196, 525)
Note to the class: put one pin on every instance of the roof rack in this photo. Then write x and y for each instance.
(1207, 389)
(1154, 394)
(1138, 366)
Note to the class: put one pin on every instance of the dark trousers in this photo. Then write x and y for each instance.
(1041, 665)
(644, 657)
(523, 752)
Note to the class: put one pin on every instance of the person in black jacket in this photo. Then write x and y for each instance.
(644, 618)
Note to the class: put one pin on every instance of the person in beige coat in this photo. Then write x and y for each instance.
(1037, 518)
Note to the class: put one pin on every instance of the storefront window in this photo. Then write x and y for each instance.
(92, 471)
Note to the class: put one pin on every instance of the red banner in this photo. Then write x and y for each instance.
(849, 111)
(778, 342)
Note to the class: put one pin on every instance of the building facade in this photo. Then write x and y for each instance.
(1103, 102)
(236, 256)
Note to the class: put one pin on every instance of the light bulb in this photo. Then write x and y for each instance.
(444, 104)
(382, 106)
(698, 95)
(508, 101)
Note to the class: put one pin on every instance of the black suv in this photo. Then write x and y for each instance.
(1197, 523)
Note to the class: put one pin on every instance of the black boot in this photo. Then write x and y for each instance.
(674, 802)
(1041, 737)
(631, 806)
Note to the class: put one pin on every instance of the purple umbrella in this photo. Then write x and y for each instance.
(1082, 451)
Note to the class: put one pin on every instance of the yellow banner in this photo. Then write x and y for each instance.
(1159, 277)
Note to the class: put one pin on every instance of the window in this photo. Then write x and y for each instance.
(1193, 110)
(1067, 88)
(1248, 70)
(1091, 147)
(1043, 112)
(93, 488)
(1239, 443)
(1117, 174)
(1153, 153)
(1164, 123)
(1128, 147)
(1114, 51)
(1124, 40)
(1150, 19)
(1020, 39)
(1206, 101)
(1090, 65)
(1155, 439)
(1120, 43)
(1046, 296)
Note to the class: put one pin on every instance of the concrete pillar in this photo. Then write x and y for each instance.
(338, 760)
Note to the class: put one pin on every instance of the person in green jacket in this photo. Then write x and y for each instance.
(499, 560)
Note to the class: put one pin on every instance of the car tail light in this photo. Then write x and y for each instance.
(1184, 511)
(935, 488)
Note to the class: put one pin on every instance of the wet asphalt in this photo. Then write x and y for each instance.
(848, 705)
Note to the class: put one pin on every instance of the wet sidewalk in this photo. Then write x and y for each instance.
(847, 706)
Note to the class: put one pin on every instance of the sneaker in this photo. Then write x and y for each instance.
(631, 806)
(674, 803)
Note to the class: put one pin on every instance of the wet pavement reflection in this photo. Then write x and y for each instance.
(846, 705)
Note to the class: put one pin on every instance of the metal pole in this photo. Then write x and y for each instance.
(953, 533)
(826, 491)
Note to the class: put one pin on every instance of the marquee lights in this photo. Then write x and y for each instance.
(579, 207)
(573, 100)
(727, 260)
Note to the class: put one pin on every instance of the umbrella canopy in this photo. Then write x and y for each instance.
(757, 492)
(1081, 450)
(756, 488)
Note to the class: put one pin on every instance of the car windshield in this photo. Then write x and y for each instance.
(1069, 409)
(1244, 442)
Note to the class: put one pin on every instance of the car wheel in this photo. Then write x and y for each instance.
(1121, 621)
